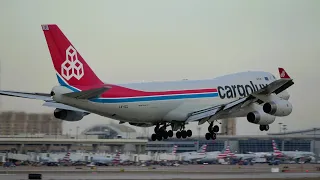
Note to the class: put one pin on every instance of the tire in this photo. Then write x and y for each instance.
(266, 127)
(170, 133)
(214, 136)
(208, 136)
(261, 127)
(184, 134)
(178, 134)
(216, 128)
(189, 133)
(153, 137)
(165, 134)
(159, 137)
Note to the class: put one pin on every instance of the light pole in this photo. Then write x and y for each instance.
(284, 129)
(280, 127)
(70, 133)
(199, 129)
(77, 131)
(314, 142)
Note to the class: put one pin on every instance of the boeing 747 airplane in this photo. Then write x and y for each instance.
(256, 95)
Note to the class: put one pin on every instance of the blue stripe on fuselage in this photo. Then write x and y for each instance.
(140, 99)
(154, 98)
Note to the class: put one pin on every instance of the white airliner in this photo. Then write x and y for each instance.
(257, 95)
(293, 155)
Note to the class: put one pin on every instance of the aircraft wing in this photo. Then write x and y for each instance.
(49, 102)
(205, 114)
(39, 96)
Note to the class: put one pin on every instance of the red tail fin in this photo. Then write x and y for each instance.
(283, 74)
(71, 68)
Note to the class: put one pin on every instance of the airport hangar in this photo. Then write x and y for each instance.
(302, 140)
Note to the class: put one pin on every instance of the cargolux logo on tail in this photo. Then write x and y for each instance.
(72, 67)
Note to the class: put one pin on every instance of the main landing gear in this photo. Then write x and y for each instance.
(264, 127)
(183, 133)
(212, 131)
(162, 133)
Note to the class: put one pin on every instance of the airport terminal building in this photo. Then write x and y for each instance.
(37, 127)
(304, 140)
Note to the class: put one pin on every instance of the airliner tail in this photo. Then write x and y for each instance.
(70, 67)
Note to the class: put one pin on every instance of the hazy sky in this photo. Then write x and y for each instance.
(130, 41)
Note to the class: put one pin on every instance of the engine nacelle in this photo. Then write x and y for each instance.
(278, 108)
(141, 124)
(68, 115)
(261, 118)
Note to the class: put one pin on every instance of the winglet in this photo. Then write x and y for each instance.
(283, 74)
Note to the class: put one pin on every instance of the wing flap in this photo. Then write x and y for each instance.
(87, 94)
(202, 114)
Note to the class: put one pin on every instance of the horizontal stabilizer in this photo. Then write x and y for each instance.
(88, 94)
(63, 106)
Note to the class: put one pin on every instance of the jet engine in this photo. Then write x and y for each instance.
(261, 118)
(141, 124)
(278, 108)
(68, 115)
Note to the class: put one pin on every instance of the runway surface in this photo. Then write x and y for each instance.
(114, 176)
(199, 172)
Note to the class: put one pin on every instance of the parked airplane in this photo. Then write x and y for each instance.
(107, 159)
(256, 95)
(194, 155)
(229, 154)
(215, 156)
(293, 155)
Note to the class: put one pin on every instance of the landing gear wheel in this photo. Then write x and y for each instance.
(184, 134)
(170, 133)
(215, 128)
(189, 133)
(208, 136)
(264, 127)
(159, 137)
(165, 134)
(261, 127)
(153, 137)
(214, 136)
(178, 134)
